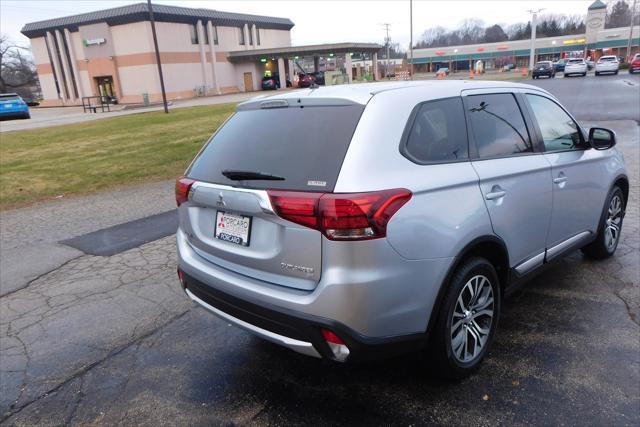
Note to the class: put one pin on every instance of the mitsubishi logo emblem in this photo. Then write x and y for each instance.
(220, 201)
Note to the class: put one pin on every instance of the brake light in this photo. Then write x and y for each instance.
(341, 216)
(183, 185)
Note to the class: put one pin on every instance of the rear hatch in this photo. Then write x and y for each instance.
(293, 144)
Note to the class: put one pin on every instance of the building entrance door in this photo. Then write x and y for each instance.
(248, 82)
(105, 86)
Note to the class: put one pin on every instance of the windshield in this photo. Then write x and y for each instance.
(303, 145)
(575, 61)
(608, 59)
(543, 64)
(9, 97)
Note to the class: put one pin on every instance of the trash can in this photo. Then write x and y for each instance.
(145, 98)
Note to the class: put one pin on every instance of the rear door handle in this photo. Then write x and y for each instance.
(495, 194)
(560, 180)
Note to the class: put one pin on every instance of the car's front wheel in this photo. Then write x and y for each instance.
(610, 227)
(467, 319)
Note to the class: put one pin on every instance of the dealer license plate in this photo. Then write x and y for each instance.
(233, 228)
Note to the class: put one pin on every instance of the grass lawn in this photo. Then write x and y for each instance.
(40, 164)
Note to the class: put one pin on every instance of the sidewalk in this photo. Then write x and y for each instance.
(44, 117)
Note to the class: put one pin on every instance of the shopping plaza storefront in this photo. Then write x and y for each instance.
(596, 41)
(110, 53)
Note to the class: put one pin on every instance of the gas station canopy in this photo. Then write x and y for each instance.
(310, 50)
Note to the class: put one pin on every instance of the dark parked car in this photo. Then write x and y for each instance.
(306, 80)
(559, 66)
(273, 82)
(31, 102)
(319, 77)
(544, 68)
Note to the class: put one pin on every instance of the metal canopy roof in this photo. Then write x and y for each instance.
(140, 12)
(317, 49)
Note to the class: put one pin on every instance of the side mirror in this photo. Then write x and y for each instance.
(601, 138)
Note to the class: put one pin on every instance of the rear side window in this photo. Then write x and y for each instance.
(497, 125)
(438, 132)
(303, 145)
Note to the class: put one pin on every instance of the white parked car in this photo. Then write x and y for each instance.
(607, 64)
(575, 66)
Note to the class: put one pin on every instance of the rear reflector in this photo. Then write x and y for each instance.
(341, 216)
(338, 347)
(183, 185)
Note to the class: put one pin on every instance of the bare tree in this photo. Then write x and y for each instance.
(17, 70)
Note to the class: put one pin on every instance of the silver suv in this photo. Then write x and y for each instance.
(360, 221)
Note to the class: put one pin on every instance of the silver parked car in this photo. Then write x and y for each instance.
(373, 219)
(607, 64)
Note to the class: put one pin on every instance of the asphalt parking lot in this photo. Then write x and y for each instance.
(112, 339)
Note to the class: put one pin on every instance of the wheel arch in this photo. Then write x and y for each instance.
(622, 181)
(490, 247)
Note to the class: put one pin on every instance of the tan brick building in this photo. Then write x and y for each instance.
(110, 52)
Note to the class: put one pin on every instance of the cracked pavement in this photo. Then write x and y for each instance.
(113, 340)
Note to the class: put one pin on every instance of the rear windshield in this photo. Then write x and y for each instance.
(303, 145)
(608, 58)
(9, 98)
(575, 61)
(543, 64)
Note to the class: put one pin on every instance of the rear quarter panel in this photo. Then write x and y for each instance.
(446, 211)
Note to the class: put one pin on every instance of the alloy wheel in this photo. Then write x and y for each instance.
(613, 223)
(472, 319)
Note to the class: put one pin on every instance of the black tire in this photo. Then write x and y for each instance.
(444, 362)
(615, 73)
(597, 73)
(27, 116)
(584, 74)
(599, 249)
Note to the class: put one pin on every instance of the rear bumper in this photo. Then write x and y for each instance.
(549, 73)
(601, 69)
(299, 332)
(14, 114)
(371, 297)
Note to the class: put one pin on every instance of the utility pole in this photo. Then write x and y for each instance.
(387, 41)
(534, 24)
(155, 44)
(411, 36)
(633, 11)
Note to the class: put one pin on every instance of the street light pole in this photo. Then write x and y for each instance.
(387, 41)
(534, 24)
(633, 11)
(411, 36)
(155, 44)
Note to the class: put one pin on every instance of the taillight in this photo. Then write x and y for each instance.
(183, 185)
(341, 216)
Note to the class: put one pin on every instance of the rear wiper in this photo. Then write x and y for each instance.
(248, 175)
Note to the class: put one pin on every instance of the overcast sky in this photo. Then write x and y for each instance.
(317, 21)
